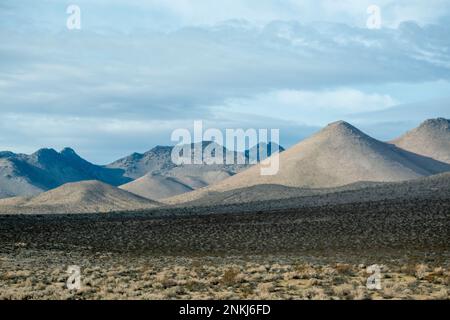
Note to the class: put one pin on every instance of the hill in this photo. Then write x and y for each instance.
(430, 139)
(80, 197)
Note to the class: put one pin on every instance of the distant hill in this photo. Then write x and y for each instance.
(27, 175)
(263, 151)
(156, 187)
(338, 155)
(430, 139)
(137, 165)
(162, 178)
(276, 197)
(80, 197)
(46, 169)
(159, 160)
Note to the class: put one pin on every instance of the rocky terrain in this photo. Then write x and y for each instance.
(307, 253)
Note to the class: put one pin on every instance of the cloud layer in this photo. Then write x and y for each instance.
(136, 71)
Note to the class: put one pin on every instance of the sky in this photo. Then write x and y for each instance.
(137, 70)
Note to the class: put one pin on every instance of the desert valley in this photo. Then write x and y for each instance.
(145, 228)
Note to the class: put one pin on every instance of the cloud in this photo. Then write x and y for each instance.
(184, 72)
(352, 12)
(138, 68)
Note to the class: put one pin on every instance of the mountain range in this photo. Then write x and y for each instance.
(46, 169)
(338, 155)
(164, 179)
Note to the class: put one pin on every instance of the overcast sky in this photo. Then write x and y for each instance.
(137, 70)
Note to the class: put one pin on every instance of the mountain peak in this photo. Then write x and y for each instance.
(342, 128)
(7, 154)
(161, 149)
(68, 152)
(46, 152)
(340, 124)
(136, 155)
(436, 124)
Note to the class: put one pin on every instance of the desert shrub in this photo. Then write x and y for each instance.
(229, 277)
(344, 269)
(305, 272)
(256, 269)
(315, 294)
(409, 270)
(361, 293)
(421, 271)
(442, 295)
(247, 290)
(165, 279)
(264, 290)
(192, 285)
(344, 291)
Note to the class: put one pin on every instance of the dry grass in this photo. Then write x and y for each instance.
(29, 275)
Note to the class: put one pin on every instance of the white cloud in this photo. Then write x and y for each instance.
(184, 72)
(353, 12)
(195, 12)
(171, 14)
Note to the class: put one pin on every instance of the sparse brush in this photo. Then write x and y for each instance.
(229, 277)
(421, 271)
(344, 291)
(345, 269)
(442, 295)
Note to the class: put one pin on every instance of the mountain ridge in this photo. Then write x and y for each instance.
(337, 155)
(46, 169)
